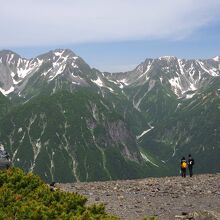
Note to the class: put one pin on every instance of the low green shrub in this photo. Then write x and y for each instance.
(25, 196)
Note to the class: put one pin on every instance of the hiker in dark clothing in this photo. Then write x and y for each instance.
(183, 166)
(190, 165)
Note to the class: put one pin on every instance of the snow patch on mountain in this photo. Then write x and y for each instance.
(58, 70)
(192, 87)
(181, 67)
(209, 71)
(6, 92)
(98, 82)
(14, 81)
(76, 83)
(150, 87)
(174, 151)
(10, 58)
(124, 81)
(175, 84)
(24, 67)
(146, 71)
(144, 132)
(75, 57)
(58, 53)
(46, 72)
(22, 73)
(189, 96)
(144, 156)
(167, 58)
(217, 58)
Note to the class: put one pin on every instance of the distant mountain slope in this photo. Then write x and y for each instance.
(194, 128)
(68, 137)
(4, 105)
(57, 113)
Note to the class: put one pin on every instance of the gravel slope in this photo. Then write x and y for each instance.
(162, 197)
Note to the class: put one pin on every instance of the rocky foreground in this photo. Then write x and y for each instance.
(166, 198)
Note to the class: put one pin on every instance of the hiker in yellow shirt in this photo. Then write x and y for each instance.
(183, 166)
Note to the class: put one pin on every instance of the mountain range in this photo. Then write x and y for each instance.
(69, 122)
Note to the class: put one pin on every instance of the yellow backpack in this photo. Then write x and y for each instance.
(184, 165)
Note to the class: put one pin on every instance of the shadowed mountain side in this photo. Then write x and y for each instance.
(73, 137)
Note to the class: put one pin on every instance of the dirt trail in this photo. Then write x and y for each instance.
(162, 197)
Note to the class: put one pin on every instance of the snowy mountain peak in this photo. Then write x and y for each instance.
(62, 65)
(17, 74)
(167, 58)
(57, 54)
(64, 52)
(7, 52)
(14, 69)
(217, 58)
(181, 76)
(59, 57)
(8, 56)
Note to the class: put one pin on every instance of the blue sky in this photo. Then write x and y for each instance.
(112, 35)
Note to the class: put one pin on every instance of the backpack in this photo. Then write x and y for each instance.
(184, 165)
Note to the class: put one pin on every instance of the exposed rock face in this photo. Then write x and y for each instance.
(166, 198)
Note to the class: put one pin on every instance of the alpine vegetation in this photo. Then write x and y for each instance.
(26, 196)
